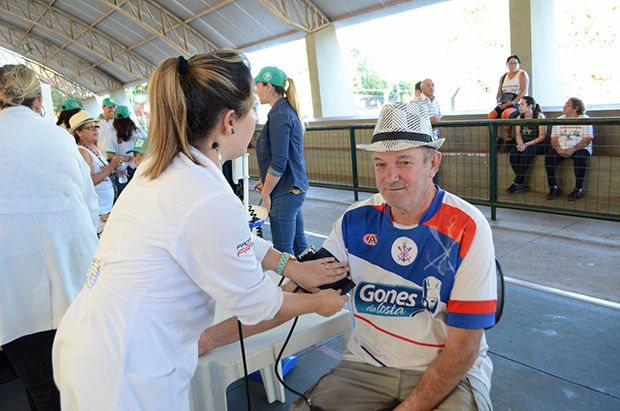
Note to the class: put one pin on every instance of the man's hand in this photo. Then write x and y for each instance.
(312, 274)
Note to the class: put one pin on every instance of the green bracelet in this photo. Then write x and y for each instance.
(283, 260)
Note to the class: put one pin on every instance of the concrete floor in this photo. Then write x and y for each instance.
(551, 350)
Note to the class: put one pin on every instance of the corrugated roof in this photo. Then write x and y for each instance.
(103, 43)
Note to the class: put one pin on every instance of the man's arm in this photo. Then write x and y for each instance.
(445, 372)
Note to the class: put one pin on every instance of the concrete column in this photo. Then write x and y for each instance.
(332, 93)
(93, 106)
(533, 36)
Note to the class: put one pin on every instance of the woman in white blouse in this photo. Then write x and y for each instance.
(177, 242)
(48, 211)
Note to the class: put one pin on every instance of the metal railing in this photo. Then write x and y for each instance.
(474, 167)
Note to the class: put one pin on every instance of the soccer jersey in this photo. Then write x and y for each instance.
(569, 136)
(415, 281)
(512, 84)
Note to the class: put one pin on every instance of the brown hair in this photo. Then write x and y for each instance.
(18, 86)
(125, 128)
(291, 95)
(188, 97)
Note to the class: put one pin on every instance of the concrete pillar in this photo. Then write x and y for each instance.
(533, 36)
(48, 104)
(332, 93)
(93, 106)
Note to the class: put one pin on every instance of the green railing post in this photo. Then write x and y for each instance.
(354, 164)
(493, 169)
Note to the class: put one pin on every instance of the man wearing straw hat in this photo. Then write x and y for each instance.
(423, 262)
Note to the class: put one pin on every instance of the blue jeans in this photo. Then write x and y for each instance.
(287, 223)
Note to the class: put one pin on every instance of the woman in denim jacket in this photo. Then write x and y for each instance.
(280, 155)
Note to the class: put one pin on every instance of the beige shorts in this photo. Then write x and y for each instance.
(353, 386)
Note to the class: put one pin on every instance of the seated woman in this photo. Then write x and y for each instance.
(530, 143)
(512, 87)
(86, 131)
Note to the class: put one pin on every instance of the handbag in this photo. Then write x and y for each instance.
(506, 98)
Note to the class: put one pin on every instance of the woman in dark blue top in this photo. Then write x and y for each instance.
(280, 155)
(530, 143)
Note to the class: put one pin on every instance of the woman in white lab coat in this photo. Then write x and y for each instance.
(48, 215)
(177, 242)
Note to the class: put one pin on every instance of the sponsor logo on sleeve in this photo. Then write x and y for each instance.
(244, 247)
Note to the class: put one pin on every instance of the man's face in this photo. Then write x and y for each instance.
(108, 112)
(428, 88)
(403, 179)
(569, 109)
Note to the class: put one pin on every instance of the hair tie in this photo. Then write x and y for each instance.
(183, 65)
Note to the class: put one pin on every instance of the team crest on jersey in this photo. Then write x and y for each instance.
(370, 239)
(244, 247)
(404, 251)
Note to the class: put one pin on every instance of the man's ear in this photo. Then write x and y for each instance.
(435, 162)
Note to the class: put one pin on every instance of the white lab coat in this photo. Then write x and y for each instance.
(171, 247)
(48, 216)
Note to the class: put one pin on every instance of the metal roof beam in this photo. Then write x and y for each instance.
(164, 25)
(79, 33)
(41, 50)
(308, 17)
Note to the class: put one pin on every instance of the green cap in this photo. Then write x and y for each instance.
(271, 75)
(70, 105)
(109, 102)
(139, 147)
(122, 112)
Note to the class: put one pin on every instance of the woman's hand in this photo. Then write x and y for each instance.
(504, 106)
(312, 274)
(266, 200)
(521, 147)
(204, 343)
(258, 187)
(116, 162)
(331, 302)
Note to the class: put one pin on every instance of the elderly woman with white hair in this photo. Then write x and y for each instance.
(48, 213)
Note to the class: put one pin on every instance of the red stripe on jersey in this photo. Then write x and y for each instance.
(456, 224)
(398, 336)
(380, 207)
(472, 307)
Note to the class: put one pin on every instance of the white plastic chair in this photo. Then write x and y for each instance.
(219, 368)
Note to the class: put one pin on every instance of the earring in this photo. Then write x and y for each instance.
(232, 130)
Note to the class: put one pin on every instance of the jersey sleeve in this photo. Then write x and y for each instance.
(473, 298)
(214, 246)
(335, 242)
